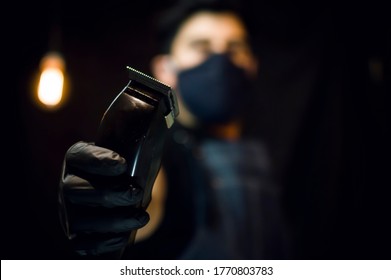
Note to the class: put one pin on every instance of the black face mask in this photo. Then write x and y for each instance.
(215, 91)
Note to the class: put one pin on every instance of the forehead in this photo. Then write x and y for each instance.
(213, 26)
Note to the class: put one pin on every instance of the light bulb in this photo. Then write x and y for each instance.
(51, 81)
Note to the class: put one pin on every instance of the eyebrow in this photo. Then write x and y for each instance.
(205, 42)
(199, 41)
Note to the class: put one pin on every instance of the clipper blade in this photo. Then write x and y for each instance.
(155, 89)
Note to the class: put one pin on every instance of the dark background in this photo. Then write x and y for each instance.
(323, 109)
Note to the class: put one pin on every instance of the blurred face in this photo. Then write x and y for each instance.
(204, 34)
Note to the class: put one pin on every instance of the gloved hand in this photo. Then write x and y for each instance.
(97, 200)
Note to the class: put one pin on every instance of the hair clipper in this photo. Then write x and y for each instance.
(135, 126)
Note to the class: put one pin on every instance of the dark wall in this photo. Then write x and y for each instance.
(322, 109)
(324, 98)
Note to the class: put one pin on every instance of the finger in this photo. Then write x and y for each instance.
(79, 191)
(95, 160)
(98, 244)
(108, 222)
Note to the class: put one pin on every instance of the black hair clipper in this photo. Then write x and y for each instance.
(135, 125)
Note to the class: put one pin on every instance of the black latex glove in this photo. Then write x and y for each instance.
(97, 200)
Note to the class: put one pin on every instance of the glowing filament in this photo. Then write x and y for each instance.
(51, 82)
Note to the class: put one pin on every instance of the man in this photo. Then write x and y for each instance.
(213, 197)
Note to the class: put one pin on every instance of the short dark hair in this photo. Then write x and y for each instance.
(169, 21)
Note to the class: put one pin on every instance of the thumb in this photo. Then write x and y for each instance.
(94, 159)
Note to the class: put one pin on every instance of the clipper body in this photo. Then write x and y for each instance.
(135, 126)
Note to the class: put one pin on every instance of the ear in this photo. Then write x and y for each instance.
(253, 67)
(163, 70)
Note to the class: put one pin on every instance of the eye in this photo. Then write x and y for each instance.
(201, 46)
(238, 48)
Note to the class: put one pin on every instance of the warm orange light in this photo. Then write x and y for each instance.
(51, 81)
